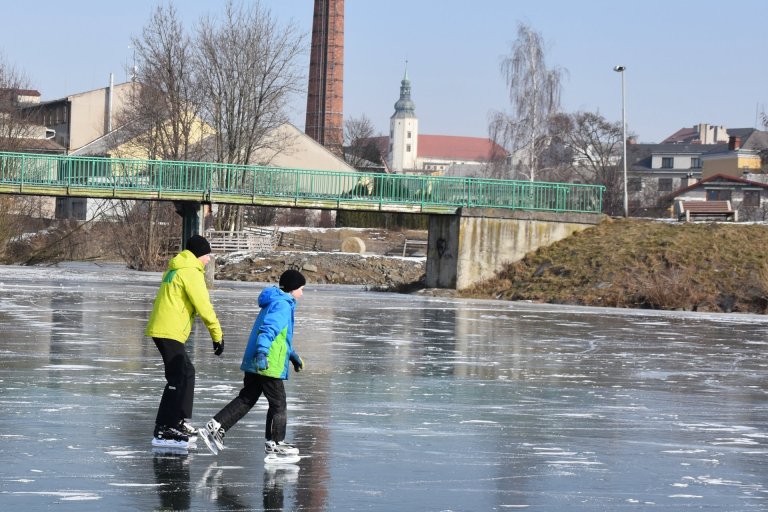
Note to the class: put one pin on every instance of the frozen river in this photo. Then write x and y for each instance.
(407, 404)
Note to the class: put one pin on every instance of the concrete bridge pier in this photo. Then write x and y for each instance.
(191, 214)
(193, 223)
(475, 243)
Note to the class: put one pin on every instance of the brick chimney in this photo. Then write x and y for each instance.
(325, 111)
(734, 143)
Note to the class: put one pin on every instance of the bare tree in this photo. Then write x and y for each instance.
(161, 118)
(359, 148)
(534, 92)
(586, 148)
(764, 151)
(16, 123)
(248, 71)
(19, 213)
(160, 121)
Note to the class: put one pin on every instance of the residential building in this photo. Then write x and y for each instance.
(656, 170)
(81, 118)
(18, 132)
(738, 160)
(749, 198)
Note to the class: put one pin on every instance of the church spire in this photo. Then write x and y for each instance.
(404, 107)
(404, 130)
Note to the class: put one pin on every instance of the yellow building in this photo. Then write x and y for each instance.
(735, 161)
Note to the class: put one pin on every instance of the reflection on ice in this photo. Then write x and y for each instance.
(406, 403)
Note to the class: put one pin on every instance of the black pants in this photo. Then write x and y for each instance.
(253, 387)
(176, 402)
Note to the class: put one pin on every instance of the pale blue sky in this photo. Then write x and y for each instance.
(687, 61)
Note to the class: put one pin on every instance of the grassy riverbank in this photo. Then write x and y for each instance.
(645, 264)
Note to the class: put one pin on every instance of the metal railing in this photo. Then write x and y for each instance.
(25, 173)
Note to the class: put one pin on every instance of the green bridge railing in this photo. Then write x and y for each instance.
(60, 175)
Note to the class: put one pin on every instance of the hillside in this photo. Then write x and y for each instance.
(645, 264)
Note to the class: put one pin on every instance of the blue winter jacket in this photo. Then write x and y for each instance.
(272, 334)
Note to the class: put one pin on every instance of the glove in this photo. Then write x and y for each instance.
(298, 363)
(261, 361)
(218, 347)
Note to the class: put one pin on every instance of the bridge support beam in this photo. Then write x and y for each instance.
(191, 214)
(193, 223)
(476, 243)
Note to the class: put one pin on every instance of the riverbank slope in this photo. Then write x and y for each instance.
(636, 263)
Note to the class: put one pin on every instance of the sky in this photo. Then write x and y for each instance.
(686, 62)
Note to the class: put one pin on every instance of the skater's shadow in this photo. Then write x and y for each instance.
(216, 491)
(172, 478)
(276, 479)
(227, 497)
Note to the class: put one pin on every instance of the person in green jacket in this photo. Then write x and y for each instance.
(182, 296)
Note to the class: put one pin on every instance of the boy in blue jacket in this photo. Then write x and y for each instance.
(265, 365)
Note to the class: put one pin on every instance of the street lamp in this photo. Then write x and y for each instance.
(621, 69)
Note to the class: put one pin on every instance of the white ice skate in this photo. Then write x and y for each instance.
(213, 436)
(281, 453)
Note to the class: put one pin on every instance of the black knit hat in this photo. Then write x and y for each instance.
(198, 245)
(291, 280)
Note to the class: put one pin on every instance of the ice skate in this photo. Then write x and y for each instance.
(188, 430)
(280, 448)
(213, 436)
(169, 437)
(281, 453)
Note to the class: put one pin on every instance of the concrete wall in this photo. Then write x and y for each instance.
(474, 245)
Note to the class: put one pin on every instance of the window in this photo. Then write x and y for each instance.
(667, 162)
(407, 148)
(635, 184)
(751, 198)
(718, 195)
(665, 184)
(695, 163)
(409, 134)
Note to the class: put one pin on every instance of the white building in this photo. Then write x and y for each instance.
(409, 152)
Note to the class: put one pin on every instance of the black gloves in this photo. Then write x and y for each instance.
(218, 347)
(298, 363)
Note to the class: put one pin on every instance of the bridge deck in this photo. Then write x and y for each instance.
(57, 175)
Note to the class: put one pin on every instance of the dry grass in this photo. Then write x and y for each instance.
(645, 264)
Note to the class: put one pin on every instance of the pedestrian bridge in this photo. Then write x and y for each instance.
(472, 223)
(74, 176)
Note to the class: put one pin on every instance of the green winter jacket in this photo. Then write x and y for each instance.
(182, 295)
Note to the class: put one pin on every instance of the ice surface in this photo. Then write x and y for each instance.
(406, 403)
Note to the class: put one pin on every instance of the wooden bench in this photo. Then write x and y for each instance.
(706, 209)
(417, 243)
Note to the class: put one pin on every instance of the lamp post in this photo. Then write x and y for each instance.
(621, 69)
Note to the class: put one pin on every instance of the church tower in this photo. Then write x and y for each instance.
(324, 121)
(403, 130)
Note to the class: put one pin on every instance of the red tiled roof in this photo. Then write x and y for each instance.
(450, 147)
(682, 135)
(19, 92)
